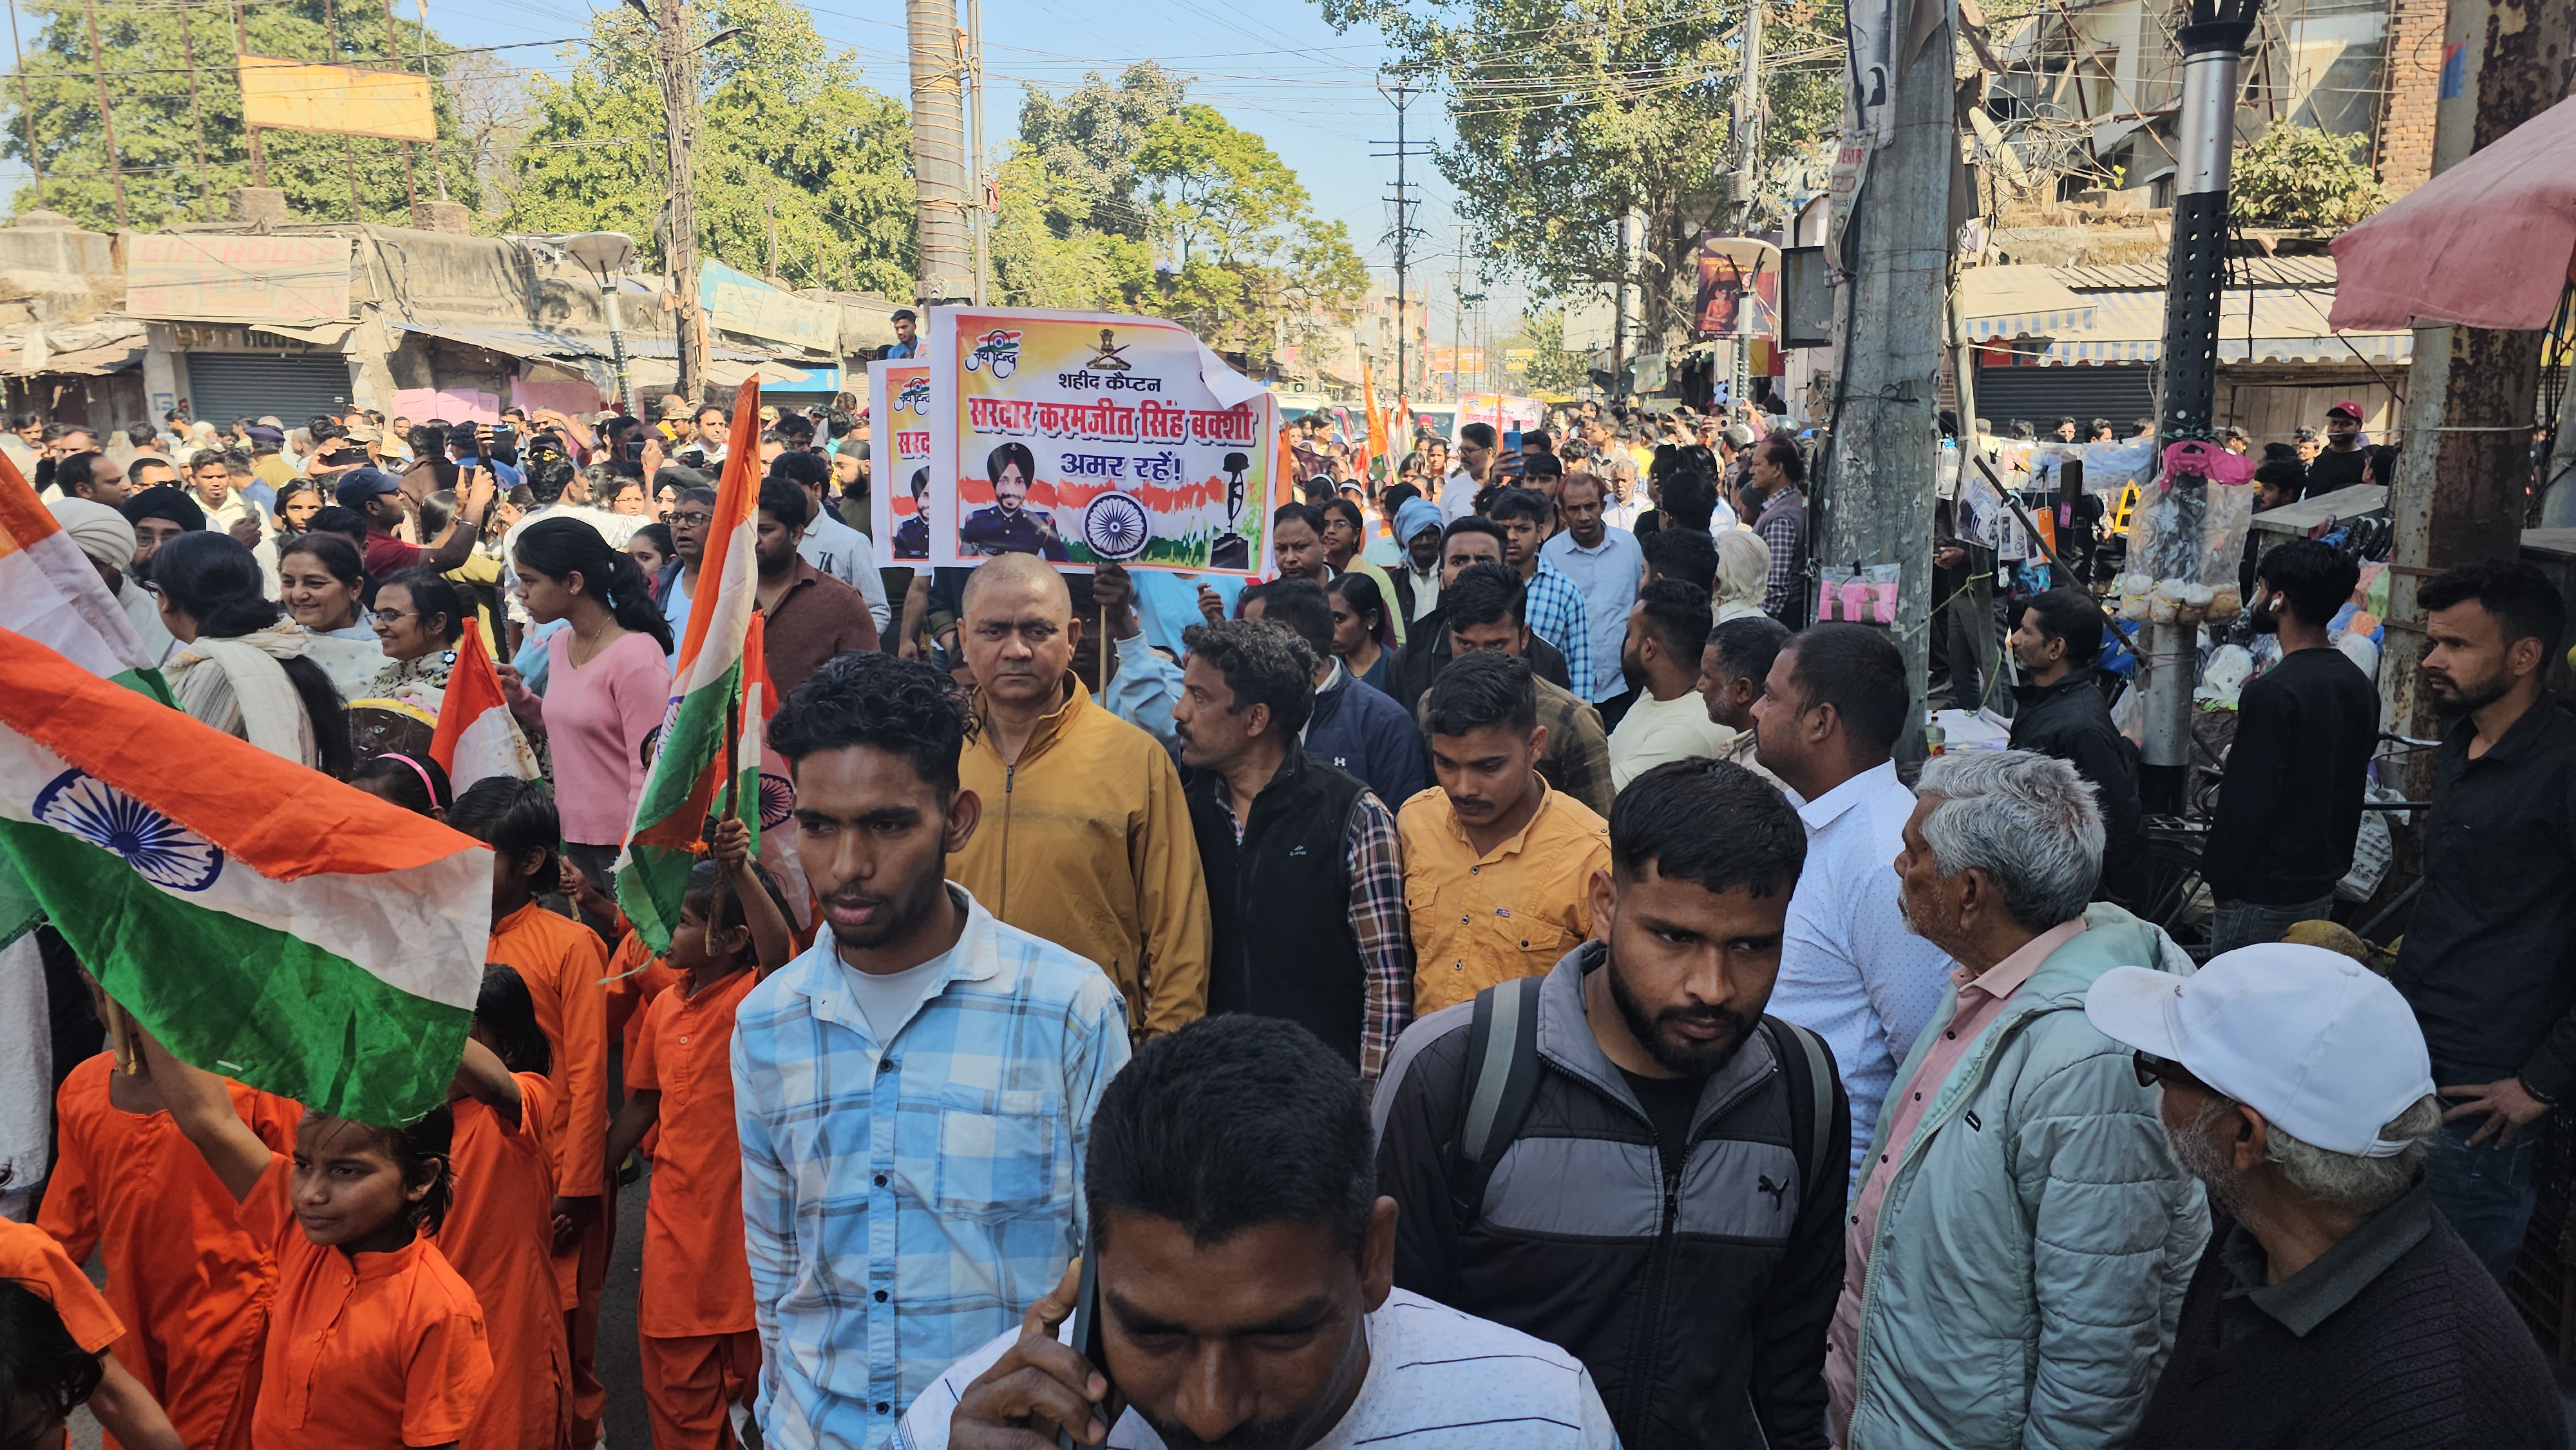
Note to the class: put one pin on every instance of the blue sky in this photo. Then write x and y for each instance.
(1277, 70)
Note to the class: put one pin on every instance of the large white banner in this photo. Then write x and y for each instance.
(1087, 438)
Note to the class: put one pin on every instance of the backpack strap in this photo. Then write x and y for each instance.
(1502, 1080)
(1811, 1098)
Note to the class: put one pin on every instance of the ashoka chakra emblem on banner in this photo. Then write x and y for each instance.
(165, 853)
(1115, 527)
(777, 801)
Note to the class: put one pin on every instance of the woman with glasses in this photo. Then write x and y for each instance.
(418, 619)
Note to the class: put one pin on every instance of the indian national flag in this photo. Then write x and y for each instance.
(701, 732)
(261, 919)
(50, 593)
(1373, 439)
(477, 739)
(761, 780)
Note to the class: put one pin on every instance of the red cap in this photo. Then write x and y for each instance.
(2347, 407)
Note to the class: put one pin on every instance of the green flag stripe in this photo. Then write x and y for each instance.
(235, 997)
(694, 740)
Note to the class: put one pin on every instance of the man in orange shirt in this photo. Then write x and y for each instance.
(564, 966)
(190, 1286)
(1497, 866)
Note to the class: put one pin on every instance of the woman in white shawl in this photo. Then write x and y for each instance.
(323, 584)
(240, 664)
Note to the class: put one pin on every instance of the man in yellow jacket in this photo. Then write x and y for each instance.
(1085, 838)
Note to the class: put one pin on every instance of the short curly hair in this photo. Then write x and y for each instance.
(1263, 664)
(902, 707)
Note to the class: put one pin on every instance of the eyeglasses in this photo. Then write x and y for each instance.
(397, 616)
(2153, 1070)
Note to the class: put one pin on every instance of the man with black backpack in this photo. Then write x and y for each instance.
(1625, 1156)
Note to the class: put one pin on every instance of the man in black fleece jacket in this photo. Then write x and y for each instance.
(2289, 808)
(2062, 713)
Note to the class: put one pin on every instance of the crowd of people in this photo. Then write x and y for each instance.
(1487, 985)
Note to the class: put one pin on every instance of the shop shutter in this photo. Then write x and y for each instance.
(2121, 392)
(225, 386)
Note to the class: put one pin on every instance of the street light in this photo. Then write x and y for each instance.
(605, 255)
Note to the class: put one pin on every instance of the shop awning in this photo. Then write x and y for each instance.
(2281, 323)
(2019, 301)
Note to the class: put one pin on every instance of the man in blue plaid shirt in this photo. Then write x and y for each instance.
(1555, 605)
(914, 1094)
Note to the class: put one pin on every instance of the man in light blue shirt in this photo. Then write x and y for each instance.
(1606, 564)
(914, 1094)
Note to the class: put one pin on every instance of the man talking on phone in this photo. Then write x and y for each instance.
(1243, 1294)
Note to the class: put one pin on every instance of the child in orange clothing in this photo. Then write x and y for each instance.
(191, 1287)
(564, 966)
(499, 1233)
(694, 1319)
(32, 1261)
(374, 1339)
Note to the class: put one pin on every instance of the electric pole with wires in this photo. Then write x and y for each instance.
(1400, 236)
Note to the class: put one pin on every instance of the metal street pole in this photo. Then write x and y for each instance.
(1885, 444)
(605, 255)
(106, 115)
(2213, 52)
(980, 217)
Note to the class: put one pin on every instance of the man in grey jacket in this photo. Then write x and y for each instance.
(2015, 1259)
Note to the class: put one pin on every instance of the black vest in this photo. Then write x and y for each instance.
(1279, 904)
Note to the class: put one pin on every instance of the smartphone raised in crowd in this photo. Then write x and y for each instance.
(1085, 1326)
(1512, 451)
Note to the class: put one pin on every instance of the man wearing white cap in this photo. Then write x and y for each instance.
(2335, 1306)
(2020, 1236)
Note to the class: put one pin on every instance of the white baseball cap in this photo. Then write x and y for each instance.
(2311, 1039)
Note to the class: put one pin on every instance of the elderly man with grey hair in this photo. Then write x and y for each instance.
(2019, 1245)
(2335, 1306)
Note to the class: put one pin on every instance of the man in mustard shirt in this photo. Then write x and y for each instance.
(1497, 866)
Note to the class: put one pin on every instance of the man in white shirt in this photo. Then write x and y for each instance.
(830, 545)
(1827, 723)
(1605, 562)
(228, 509)
(1666, 719)
(1475, 465)
(1246, 1284)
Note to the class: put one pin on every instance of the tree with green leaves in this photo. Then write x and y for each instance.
(146, 52)
(787, 136)
(2299, 176)
(1552, 368)
(1128, 195)
(1571, 113)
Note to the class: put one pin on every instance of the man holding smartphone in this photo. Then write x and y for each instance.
(1243, 1291)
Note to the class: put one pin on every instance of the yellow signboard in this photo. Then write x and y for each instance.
(302, 96)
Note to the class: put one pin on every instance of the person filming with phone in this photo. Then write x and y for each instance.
(1242, 1287)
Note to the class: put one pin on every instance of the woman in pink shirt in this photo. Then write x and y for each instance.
(608, 681)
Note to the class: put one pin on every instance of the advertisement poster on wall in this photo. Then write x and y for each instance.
(900, 415)
(1087, 438)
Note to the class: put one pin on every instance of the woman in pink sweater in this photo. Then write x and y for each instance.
(608, 682)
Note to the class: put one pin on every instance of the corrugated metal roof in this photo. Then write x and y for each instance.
(2249, 272)
(2275, 313)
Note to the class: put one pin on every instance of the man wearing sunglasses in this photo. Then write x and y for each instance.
(2335, 1305)
(2021, 1236)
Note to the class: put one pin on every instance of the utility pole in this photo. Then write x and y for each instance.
(676, 48)
(27, 106)
(1458, 318)
(241, 47)
(196, 116)
(2472, 393)
(1884, 445)
(1746, 183)
(106, 116)
(393, 58)
(944, 273)
(348, 144)
(1402, 234)
(2213, 52)
(769, 211)
(981, 216)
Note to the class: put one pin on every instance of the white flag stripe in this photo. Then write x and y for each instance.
(409, 928)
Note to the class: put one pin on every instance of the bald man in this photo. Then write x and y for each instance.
(1086, 838)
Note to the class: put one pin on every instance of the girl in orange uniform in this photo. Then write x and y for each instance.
(693, 1317)
(498, 1233)
(191, 1287)
(125, 1409)
(564, 966)
(373, 1339)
